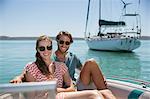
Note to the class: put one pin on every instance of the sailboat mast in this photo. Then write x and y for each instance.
(99, 16)
(87, 17)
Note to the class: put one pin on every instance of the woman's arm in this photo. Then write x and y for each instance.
(29, 77)
(68, 82)
(19, 79)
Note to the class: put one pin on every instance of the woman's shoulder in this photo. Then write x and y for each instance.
(30, 64)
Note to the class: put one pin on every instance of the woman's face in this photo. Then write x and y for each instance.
(64, 43)
(45, 49)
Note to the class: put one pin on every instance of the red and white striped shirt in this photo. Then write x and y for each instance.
(60, 70)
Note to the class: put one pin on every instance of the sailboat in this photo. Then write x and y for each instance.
(115, 35)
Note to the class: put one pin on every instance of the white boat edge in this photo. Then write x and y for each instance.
(121, 89)
(126, 90)
(14, 91)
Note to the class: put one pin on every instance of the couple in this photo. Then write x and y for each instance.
(62, 68)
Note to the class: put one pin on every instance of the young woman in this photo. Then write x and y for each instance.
(45, 69)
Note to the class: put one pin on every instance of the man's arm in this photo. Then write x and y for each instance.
(78, 63)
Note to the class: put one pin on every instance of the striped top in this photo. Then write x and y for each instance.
(60, 70)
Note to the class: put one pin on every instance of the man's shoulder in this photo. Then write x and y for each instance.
(71, 54)
(73, 57)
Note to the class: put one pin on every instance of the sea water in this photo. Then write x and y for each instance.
(15, 54)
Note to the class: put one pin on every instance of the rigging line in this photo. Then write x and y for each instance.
(87, 17)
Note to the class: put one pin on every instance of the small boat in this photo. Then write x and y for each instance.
(115, 35)
(126, 88)
(121, 89)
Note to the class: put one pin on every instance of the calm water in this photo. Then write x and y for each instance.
(15, 54)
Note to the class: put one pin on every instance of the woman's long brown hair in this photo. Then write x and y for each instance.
(39, 61)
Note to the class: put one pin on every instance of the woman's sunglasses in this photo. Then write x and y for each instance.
(62, 42)
(42, 48)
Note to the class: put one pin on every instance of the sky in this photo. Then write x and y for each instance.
(32, 18)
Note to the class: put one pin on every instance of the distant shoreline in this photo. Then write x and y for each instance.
(53, 38)
(29, 38)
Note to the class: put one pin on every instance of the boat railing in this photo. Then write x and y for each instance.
(28, 90)
(144, 84)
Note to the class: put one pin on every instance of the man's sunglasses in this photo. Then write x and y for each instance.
(42, 48)
(62, 42)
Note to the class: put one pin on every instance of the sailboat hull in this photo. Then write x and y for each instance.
(113, 44)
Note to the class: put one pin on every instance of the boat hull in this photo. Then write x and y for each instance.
(121, 89)
(126, 90)
(113, 44)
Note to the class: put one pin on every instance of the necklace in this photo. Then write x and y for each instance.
(51, 68)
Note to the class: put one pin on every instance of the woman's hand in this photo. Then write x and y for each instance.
(68, 82)
(17, 79)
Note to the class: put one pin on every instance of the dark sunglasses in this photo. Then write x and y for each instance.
(62, 42)
(42, 48)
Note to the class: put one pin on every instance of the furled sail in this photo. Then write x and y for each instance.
(111, 23)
